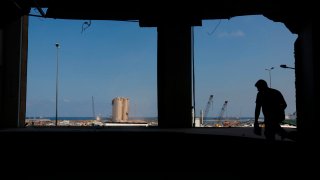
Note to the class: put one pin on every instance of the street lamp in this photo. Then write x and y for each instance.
(285, 66)
(270, 74)
(57, 80)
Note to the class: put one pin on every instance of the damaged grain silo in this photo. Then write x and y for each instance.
(120, 109)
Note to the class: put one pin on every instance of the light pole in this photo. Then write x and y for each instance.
(285, 66)
(57, 83)
(270, 74)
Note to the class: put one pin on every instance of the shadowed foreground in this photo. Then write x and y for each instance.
(54, 151)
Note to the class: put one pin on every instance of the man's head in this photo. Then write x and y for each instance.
(261, 85)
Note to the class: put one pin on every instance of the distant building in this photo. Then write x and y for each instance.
(120, 109)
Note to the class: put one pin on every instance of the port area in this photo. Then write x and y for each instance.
(224, 128)
(87, 123)
(147, 123)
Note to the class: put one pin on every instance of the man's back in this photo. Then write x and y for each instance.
(272, 102)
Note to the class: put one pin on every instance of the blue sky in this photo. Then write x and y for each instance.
(118, 59)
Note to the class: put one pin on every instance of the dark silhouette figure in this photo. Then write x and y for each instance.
(273, 107)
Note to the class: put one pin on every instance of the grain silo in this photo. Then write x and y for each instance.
(120, 109)
(125, 109)
(116, 109)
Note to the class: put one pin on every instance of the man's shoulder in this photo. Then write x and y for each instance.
(274, 90)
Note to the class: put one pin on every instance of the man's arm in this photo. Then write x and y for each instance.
(257, 112)
(257, 129)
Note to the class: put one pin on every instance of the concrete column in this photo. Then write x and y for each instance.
(307, 85)
(13, 73)
(174, 76)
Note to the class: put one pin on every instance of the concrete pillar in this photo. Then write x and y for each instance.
(307, 85)
(174, 76)
(13, 73)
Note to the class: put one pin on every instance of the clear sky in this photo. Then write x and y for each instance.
(111, 59)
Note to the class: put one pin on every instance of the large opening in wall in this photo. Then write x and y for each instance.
(91, 73)
(230, 57)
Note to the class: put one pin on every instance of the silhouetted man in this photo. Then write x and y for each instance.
(273, 107)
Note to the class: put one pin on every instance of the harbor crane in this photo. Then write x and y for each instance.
(205, 114)
(209, 104)
(223, 109)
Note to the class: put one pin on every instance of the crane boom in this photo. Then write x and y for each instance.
(223, 110)
(210, 101)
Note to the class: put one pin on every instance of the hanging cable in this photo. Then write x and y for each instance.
(215, 28)
(85, 25)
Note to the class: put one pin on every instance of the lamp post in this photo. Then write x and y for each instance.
(270, 75)
(285, 66)
(57, 82)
